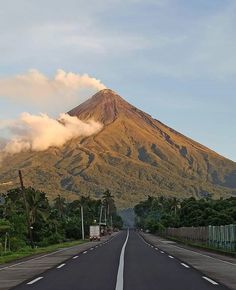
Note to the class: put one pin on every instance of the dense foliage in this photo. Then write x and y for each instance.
(35, 221)
(156, 214)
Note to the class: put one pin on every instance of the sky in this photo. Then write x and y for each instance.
(174, 59)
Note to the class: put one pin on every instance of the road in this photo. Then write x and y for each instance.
(127, 262)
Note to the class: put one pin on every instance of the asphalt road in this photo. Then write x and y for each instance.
(124, 262)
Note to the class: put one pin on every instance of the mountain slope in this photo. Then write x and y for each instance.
(133, 155)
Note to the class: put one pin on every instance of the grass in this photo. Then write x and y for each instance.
(27, 251)
(204, 247)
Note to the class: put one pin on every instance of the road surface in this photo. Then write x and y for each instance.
(127, 262)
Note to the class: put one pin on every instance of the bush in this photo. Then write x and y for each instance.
(17, 244)
(52, 239)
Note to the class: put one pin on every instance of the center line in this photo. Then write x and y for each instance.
(120, 274)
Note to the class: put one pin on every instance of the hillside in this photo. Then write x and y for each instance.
(134, 156)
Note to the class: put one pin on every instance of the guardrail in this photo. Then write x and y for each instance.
(221, 237)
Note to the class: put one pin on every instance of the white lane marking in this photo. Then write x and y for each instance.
(35, 280)
(210, 280)
(156, 249)
(85, 252)
(75, 257)
(226, 262)
(60, 266)
(186, 266)
(120, 274)
(37, 258)
(91, 249)
(171, 257)
(162, 252)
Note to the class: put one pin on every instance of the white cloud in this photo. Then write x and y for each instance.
(39, 132)
(35, 88)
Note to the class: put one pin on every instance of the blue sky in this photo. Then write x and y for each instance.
(174, 59)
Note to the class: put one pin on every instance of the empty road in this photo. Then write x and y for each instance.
(124, 262)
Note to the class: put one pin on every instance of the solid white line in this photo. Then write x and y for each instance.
(210, 280)
(120, 274)
(35, 280)
(186, 266)
(62, 265)
(75, 257)
(171, 257)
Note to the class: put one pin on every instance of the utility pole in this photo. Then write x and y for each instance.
(100, 217)
(82, 221)
(108, 211)
(26, 209)
(105, 216)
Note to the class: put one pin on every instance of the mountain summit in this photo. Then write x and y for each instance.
(133, 155)
(104, 106)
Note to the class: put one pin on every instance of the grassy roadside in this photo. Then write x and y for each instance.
(27, 252)
(203, 247)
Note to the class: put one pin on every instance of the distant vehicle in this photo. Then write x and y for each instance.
(94, 233)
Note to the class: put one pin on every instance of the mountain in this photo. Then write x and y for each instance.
(133, 155)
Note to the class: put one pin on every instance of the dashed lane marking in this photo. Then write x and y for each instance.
(60, 266)
(186, 266)
(210, 280)
(34, 281)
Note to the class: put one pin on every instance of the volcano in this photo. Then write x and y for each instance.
(133, 156)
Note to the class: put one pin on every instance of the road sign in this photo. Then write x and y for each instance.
(2, 200)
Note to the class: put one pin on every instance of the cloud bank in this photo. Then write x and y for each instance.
(35, 88)
(39, 132)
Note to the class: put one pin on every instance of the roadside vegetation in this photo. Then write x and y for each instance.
(156, 214)
(30, 224)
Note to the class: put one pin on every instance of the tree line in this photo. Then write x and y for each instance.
(29, 219)
(157, 213)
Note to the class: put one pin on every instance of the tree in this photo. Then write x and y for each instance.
(109, 204)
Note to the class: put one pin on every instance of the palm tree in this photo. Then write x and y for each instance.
(109, 203)
(60, 205)
(37, 203)
(175, 205)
